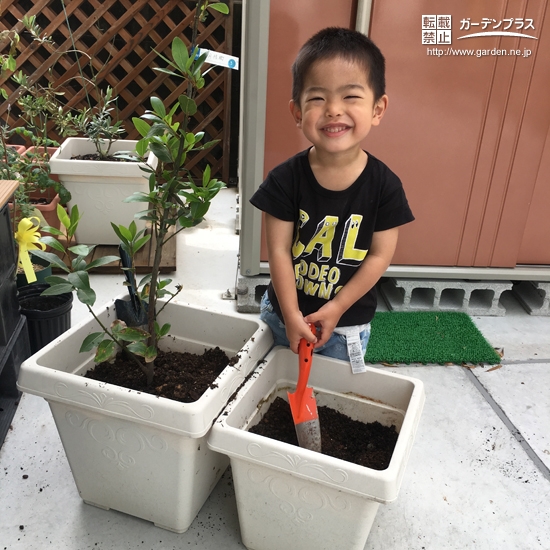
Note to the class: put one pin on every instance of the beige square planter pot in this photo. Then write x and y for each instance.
(137, 453)
(289, 497)
(100, 187)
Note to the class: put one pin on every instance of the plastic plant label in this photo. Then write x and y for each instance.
(221, 59)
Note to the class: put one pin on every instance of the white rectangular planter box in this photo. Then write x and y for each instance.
(100, 187)
(289, 497)
(134, 452)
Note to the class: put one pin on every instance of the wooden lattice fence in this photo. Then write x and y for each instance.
(119, 36)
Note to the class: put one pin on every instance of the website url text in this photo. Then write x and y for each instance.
(441, 52)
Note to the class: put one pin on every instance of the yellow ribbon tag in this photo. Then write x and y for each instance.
(27, 238)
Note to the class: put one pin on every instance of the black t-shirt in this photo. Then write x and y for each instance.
(332, 229)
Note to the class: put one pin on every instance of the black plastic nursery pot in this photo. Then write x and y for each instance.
(40, 275)
(47, 316)
(11, 357)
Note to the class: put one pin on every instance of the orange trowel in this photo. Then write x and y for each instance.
(302, 402)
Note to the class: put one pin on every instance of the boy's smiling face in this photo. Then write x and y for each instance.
(337, 107)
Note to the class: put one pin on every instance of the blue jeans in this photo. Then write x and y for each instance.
(336, 346)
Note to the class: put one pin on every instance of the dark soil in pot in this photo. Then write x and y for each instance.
(41, 303)
(180, 376)
(370, 445)
(95, 156)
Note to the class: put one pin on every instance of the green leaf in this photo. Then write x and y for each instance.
(91, 341)
(74, 215)
(104, 351)
(141, 146)
(188, 106)
(82, 249)
(209, 144)
(117, 326)
(185, 221)
(199, 209)
(158, 107)
(149, 115)
(161, 152)
(57, 289)
(145, 280)
(102, 261)
(141, 242)
(132, 334)
(138, 348)
(141, 126)
(55, 280)
(166, 71)
(117, 230)
(164, 283)
(199, 62)
(123, 233)
(79, 279)
(206, 176)
(219, 6)
(78, 264)
(138, 197)
(52, 259)
(164, 330)
(86, 296)
(180, 53)
(150, 354)
(51, 230)
(53, 242)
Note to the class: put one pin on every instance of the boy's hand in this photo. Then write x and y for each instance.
(296, 329)
(325, 319)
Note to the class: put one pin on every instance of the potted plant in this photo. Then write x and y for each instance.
(41, 107)
(106, 183)
(30, 268)
(101, 171)
(47, 316)
(291, 497)
(128, 449)
(38, 193)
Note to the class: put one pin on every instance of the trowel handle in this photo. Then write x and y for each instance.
(305, 354)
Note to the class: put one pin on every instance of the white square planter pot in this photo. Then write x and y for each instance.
(100, 187)
(289, 497)
(137, 453)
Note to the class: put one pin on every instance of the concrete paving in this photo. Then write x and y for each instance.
(478, 476)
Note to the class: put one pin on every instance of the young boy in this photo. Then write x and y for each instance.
(332, 211)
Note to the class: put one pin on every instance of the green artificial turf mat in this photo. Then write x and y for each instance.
(427, 337)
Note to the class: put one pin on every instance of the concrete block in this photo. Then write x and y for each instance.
(249, 293)
(472, 297)
(533, 296)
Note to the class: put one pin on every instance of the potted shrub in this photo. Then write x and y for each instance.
(128, 449)
(101, 171)
(290, 497)
(40, 107)
(38, 193)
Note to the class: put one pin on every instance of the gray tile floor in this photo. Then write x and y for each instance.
(478, 476)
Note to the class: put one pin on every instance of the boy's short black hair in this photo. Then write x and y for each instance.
(347, 44)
